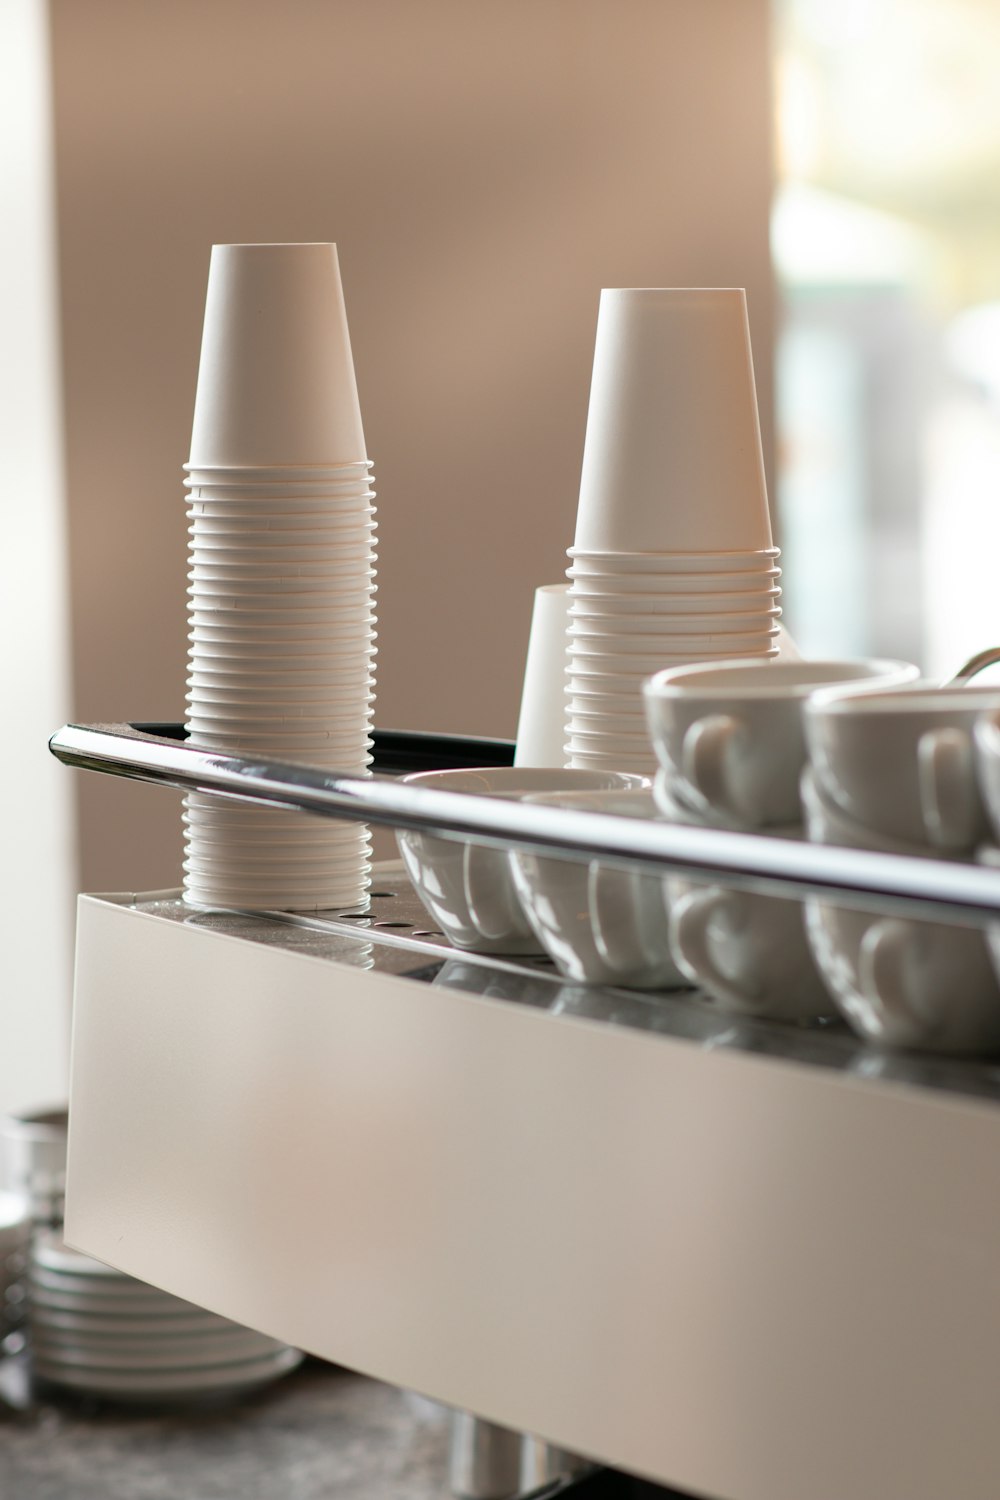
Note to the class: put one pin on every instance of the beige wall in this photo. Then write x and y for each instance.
(485, 167)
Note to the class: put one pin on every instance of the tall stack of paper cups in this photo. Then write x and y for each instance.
(282, 579)
(673, 560)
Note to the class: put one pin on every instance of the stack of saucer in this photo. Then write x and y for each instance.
(99, 1332)
(672, 560)
(15, 1232)
(282, 579)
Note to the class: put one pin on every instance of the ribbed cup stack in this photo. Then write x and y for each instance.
(282, 579)
(673, 560)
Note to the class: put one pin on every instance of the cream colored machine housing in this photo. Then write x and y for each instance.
(616, 1223)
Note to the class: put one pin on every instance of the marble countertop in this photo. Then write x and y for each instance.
(321, 1432)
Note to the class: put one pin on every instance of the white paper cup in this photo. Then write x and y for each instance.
(251, 675)
(672, 458)
(583, 618)
(760, 561)
(339, 634)
(599, 582)
(277, 571)
(301, 592)
(540, 721)
(631, 643)
(269, 475)
(674, 606)
(303, 530)
(275, 554)
(268, 620)
(609, 667)
(276, 380)
(593, 720)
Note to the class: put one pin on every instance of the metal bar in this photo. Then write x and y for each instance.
(932, 888)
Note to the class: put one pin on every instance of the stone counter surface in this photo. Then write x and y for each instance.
(320, 1433)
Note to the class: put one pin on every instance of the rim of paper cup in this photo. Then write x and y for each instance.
(234, 692)
(300, 872)
(312, 676)
(710, 644)
(668, 584)
(677, 562)
(363, 534)
(620, 668)
(205, 528)
(290, 580)
(279, 897)
(270, 588)
(750, 603)
(335, 466)
(677, 621)
(270, 557)
(255, 567)
(251, 527)
(252, 618)
(222, 838)
(198, 829)
(308, 660)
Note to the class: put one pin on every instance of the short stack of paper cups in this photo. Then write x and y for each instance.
(672, 560)
(282, 580)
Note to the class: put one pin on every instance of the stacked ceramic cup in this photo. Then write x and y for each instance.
(672, 560)
(282, 578)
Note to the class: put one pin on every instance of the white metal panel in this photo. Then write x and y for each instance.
(748, 1278)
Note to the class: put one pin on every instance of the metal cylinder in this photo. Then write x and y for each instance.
(485, 1459)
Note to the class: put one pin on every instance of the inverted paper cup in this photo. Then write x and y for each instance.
(599, 581)
(276, 380)
(270, 474)
(676, 606)
(338, 609)
(213, 582)
(626, 643)
(582, 619)
(253, 619)
(604, 721)
(336, 897)
(301, 529)
(281, 696)
(275, 554)
(230, 568)
(672, 458)
(289, 872)
(614, 666)
(241, 531)
(212, 668)
(282, 654)
(667, 563)
(202, 703)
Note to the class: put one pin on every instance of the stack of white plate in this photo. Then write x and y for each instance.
(15, 1230)
(99, 1332)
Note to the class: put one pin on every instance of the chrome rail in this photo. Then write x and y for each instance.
(938, 889)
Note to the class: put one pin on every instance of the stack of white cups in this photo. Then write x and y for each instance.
(673, 560)
(282, 578)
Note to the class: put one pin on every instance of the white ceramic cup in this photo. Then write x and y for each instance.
(899, 982)
(902, 763)
(747, 951)
(598, 924)
(276, 383)
(729, 736)
(468, 888)
(672, 458)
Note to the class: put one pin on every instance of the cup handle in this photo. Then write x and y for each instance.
(704, 753)
(879, 961)
(948, 797)
(689, 921)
